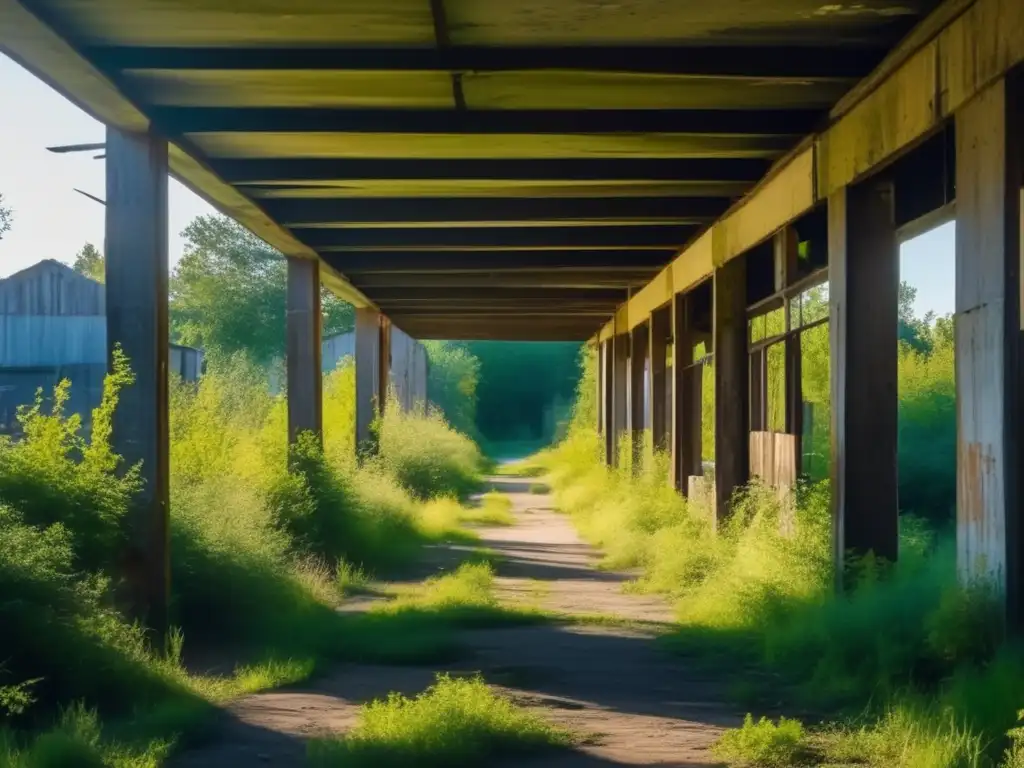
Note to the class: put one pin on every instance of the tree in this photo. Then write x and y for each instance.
(453, 374)
(914, 331)
(5, 217)
(89, 262)
(228, 293)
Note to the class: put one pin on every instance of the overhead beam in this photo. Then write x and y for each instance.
(762, 62)
(442, 38)
(949, 58)
(556, 279)
(299, 170)
(498, 238)
(184, 120)
(498, 293)
(484, 315)
(320, 212)
(34, 40)
(552, 262)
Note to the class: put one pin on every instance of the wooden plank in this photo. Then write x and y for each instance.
(786, 255)
(344, 171)
(863, 290)
(384, 363)
(35, 46)
(368, 338)
(956, 52)
(405, 210)
(192, 120)
(784, 197)
(732, 449)
(136, 308)
(657, 380)
(498, 238)
(638, 350)
(304, 350)
(763, 62)
(685, 449)
(620, 402)
(988, 321)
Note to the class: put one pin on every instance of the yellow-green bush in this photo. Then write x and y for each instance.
(256, 534)
(426, 455)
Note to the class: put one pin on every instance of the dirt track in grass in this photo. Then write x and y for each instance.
(608, 681)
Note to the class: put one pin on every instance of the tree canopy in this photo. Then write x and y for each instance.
(89, 262)
(5, 217)
(228, 293)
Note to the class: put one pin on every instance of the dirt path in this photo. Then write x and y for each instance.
(606, 679)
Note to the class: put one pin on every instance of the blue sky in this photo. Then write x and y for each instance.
(52, 221)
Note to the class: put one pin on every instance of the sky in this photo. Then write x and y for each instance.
(52, 221)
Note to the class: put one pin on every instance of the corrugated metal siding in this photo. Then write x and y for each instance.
(335, 348)
(186, 362)
(18, 387)
(50, 288)
(48, 340)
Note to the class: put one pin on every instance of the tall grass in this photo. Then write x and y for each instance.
(262, 537)
(911, 665)
(456, 722)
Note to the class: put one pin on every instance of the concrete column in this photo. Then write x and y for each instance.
(136, 304)
(863, 296)
(989, 170)
(368, 338)
(618, 381)
(637, 411)
(660, 328)
(732, 382)
(305, 386)
(685, 445)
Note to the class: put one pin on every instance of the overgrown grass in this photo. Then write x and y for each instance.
(910, 665)
(264, 543)
(763, 744)
(456, 722)
(493, 508)
(427, 456)
(914, 662)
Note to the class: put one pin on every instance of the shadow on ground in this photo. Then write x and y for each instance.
(612, 684)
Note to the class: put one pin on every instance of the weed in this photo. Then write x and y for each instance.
(494, 508)
(763, 744)
(455, 722)
(262, 550)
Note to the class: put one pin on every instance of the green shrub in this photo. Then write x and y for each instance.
(763, 744)
(54, 475)
(427, 456)
(455, 722)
